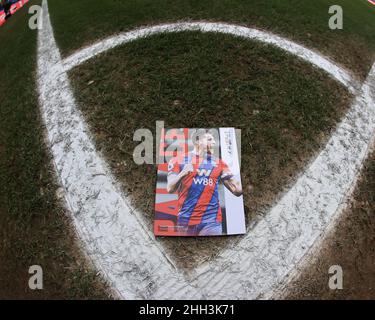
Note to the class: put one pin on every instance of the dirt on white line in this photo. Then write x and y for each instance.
(115, 236)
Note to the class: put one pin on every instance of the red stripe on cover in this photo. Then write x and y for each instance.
(162, 191)
(181, 199)
(169, 207)
(219, 217)
(206, 196)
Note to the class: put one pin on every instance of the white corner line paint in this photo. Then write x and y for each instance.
(115, 236)
(116, 241)
(316, 59)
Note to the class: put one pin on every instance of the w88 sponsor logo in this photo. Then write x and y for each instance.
(204, 181)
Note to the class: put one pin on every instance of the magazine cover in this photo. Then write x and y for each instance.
(199, 191)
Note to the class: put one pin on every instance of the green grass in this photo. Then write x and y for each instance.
(80, 22)
(351, 246)
(285, 107)
(33, 226)
(170, 77)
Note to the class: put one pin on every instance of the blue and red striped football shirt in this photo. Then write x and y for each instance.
(198, 195)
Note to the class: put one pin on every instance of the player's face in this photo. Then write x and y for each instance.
(207, 142)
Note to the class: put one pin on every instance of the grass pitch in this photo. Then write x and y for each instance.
(351, 246)
(34, 228)
(282, 99)
(82, 22)
(285, 108)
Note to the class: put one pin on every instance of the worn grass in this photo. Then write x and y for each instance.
(284, 107)
(33, 226)
(352, 246)
(78, 23)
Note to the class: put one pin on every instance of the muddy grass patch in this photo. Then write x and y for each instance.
(285, 108)
(34, 229)
(351, 245)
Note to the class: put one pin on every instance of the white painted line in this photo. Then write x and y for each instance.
(310, 56)
(275, 247)
(113, 232)
(117, 243)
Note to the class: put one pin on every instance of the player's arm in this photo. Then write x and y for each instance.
(233, 186)
(174, 179)
(229, 182)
